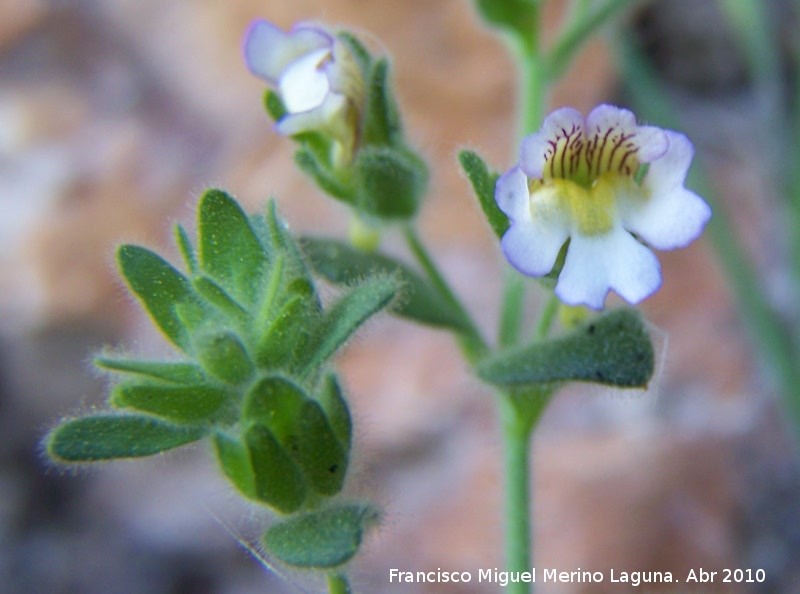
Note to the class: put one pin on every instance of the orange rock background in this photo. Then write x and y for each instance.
(114, 116)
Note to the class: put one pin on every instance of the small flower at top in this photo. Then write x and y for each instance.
(612, 188)
(315, 76)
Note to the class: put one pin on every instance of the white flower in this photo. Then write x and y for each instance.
(315, 75)
(612, 188)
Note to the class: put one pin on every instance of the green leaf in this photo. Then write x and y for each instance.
(334, 406)
(234, 459)
(277, 479)
(177, 403)
(382, 123)
(178, 372)
(483, 183)
(614, 349)
(342, 264)
(229, 250)
(106, 437)
(159, 287)
(516, 16)
(321, 539)
(223, 355)
(300, 426)
(347, 314)
(391, 182)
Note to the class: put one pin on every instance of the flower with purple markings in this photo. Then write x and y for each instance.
(611, 187)
(316, 78)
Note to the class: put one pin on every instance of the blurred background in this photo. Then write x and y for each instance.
(116, 114)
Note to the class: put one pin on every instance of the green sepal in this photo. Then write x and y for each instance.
(234, 460)
(178, 372)
(300, 426)
(273, 105)
(391, 182)
(310, 163)
(277, 480)
(321, 539)
(330, 398)
(357, 50)
(345, 316)
(382, 123)
(107, 437)
(173, 402)
(222, 355)
(483, 182)
(342, 264)
(516, 16)
(160, 288)
(614, 349)
(230, 251)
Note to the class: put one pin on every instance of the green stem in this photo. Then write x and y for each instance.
(338, 584)
(472, 343)
(516, 442)
(519, 414)
(579, 30)
(512, 309)
(548, 315)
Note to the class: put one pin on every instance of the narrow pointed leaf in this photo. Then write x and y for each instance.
(178, 372)
(321, 539)
(106, 437)
(285, 339)
(229, 249)
(614, 349)
(159, 287)
(342, 264)
(185, 246)
(177, 403)
(483, 183)
(278, 481)
(347, 314)
(220, 299)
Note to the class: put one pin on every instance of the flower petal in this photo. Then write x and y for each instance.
(319, 118)
(532, 249)
(671, 216)
(512, 195)
(535, 148)
(268, 50)
(303, 83)
(597, 264)
(651, 142)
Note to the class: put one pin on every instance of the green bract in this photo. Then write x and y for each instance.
(254, 340)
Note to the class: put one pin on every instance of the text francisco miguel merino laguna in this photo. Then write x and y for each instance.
(496, 576)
